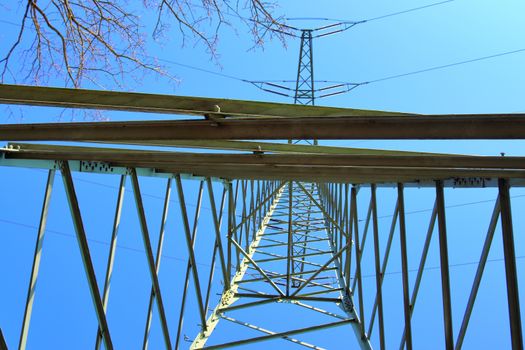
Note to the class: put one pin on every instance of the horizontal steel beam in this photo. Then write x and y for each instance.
(266, 147)
(113, 169)
(342, 168)
(155, 103)
(27, 150)
(505, 126)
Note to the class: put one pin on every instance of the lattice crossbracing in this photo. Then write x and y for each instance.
(291, 247)
(294, 259)
(304, 89)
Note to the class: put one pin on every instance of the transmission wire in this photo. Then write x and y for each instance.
(368, 19)
(407, 11)
(444, 66)
(390, 77)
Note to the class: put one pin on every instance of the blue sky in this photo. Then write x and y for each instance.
(451, 32)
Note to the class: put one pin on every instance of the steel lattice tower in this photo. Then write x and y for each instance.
(304, 95)
(283, 242)
(304, 89)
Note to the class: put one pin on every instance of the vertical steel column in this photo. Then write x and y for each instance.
(443, 254)
(422, 262)
(384, 264)
(259, 200)
(188, 264)
(157, 261)
(349, 229)
(238, 228)
(245, 210)
(149, 256)
(191, 252)
(510, 265)
(290, 238)
(404, 264)
(346, 225)
(252, 208)
(340, 210)
(359, 251)
(111, 255)
(358, 276)
(212, 264)
(231, 227)
(214, 253)
(217, 223)
(378, 267)
(36, 261)
(84, 251)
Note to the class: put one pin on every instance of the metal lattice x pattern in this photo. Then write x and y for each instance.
(259, 244)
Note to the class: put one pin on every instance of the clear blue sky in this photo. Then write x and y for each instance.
(452, 32)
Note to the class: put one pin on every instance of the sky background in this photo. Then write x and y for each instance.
(452, 32)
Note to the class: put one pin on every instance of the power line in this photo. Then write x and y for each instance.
(388, 77)
(204, 70)
(348, 24)
(420, 71)
(96, 241)
(407, 11)
(448, 207)
(444, 66)
(341, 21)
(350, 85)
(466, 263)
(345, 86)
(368, 19)
(144, 194)
(171, 257)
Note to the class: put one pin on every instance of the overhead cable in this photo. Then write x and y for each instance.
(445, 66)
(352, 86)
(368, 19)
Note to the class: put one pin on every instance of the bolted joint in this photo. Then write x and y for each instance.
(227, 296)
(347, 303)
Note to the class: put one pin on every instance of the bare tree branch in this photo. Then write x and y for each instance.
(93, 40)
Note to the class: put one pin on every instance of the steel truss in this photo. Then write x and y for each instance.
(265, 274)
(304, 89)
(285, 227)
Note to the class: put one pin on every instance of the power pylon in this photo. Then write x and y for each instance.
(304, 88)
(300, 227)
(284, 236)
(305, 92)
